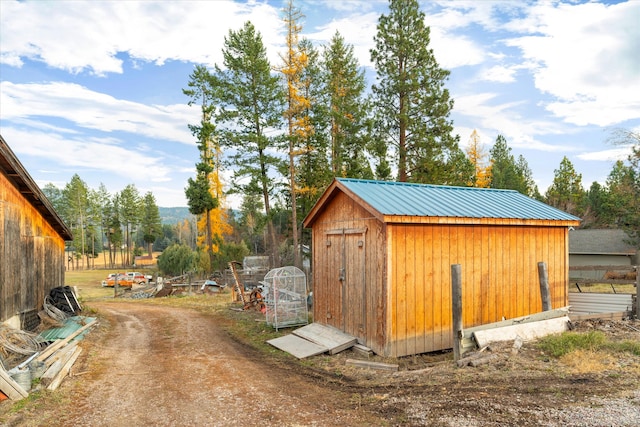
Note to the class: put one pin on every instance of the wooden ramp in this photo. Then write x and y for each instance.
(314, 339)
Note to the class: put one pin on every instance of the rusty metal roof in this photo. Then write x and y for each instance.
(400, 198)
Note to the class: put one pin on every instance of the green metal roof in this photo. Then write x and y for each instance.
(400, 198)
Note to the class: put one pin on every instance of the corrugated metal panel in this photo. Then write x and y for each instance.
(69, 326)
(399, 198)
(588, 302)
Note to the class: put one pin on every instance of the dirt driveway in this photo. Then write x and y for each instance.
(165, 366)
(153, 365)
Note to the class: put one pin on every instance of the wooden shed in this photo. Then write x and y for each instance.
(382, 255)
(32, 240)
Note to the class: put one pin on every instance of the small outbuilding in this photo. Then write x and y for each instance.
(382, 255)
(601, 246)
(32, 242)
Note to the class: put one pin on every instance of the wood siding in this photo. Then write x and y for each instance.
(348, 281)
(499, 278)
(387, 279)
(31, 254)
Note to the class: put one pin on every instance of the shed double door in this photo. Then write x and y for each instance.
(347, 276)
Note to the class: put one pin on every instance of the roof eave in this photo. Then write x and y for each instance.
(23, 182)
(411, 219)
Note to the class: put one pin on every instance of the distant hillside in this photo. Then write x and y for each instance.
(174, 215)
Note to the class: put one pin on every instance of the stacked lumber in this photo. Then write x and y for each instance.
(57, 359)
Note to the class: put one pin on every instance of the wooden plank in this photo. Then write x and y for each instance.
(54, 369)
(296, 346)
(325, 336)
(61, 353)
(526, 331)
(65, 370)
(12, 389)
(372, 365)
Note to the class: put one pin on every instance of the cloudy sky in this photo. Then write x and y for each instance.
(95, 88)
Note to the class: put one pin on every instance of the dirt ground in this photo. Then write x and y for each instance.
(149, 365)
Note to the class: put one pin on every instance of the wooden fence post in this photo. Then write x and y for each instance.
(456, 306)
(544, 286)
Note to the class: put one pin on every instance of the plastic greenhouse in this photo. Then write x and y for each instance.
(284, 291)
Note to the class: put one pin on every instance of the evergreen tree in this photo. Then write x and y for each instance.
(55, 196)
(511, 174)
(411, 103)
(597, 213)
(566, 192)
(526, 184)
(129, 211)
(251, 105)
(200, 196)
(151, 223)
(348, 110)
(630, 214)
(75, 212)
(623, 201)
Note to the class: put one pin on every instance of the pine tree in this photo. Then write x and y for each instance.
(347, 110)
(566, 192)
(151, 224)
(129, 203)
(75, 212)
(630, 220)
(313, 173)
(200, 196)
(251, 104)
(623, 201)
(509, 173)
(412, 105)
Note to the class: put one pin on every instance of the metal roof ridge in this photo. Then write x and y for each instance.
(419, 184)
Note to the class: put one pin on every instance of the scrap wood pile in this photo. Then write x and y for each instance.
(44, 358)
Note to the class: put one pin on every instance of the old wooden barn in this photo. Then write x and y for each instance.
(32, 239)
(382, 255)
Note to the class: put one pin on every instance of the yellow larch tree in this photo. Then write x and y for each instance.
(218, 221)
(478, 156)
(295, 61)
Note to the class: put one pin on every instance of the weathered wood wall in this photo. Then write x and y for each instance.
(31, 254)
(348, 276)
(499, 278)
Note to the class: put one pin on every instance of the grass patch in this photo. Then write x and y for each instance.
(593, 341)
(604, 288)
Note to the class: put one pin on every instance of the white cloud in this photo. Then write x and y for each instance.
(86, 36)
(611, 155)
(357, 29)
(82, 153)
(505, 119)
(586, 56)
(93, 110)
(499, 73)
